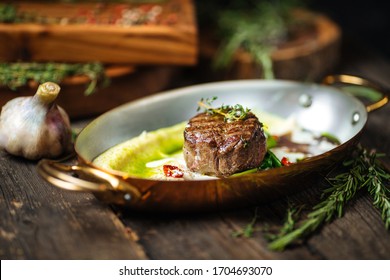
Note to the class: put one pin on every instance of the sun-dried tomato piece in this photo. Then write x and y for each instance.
(173, 171)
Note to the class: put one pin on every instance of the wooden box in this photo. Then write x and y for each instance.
(163, 32)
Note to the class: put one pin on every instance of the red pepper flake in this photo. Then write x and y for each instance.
(173, 171)
(285, 161)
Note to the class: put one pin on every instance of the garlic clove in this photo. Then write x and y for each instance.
(36, 127)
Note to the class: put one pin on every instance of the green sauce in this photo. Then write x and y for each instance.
(132, 156)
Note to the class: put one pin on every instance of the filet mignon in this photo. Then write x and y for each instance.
(215, 147)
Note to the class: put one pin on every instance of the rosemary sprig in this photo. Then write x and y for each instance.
(377, 176)
(249, 229)
(288, 225)
(256, 28)
(341, 192)
(18, 74)
(364, 172)
(230, 113)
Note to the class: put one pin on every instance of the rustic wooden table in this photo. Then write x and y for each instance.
(39, 221)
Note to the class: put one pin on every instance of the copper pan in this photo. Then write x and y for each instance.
(318, 108)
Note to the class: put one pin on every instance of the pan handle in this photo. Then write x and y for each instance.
(104, 185)
(354, 80)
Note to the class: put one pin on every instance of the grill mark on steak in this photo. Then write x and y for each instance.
(218, 148)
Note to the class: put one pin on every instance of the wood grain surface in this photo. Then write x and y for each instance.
(38, 221)
(173, 44)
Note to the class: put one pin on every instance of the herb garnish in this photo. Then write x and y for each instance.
(364, 171)
(270, 161)
(18, 74)
(230, 113)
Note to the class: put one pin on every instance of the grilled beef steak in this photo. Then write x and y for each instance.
(215, 147)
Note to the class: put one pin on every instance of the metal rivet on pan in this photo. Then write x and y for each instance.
(355, 117)
(305, 100)
(127, 197)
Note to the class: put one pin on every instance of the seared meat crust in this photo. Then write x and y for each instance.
(218, 148)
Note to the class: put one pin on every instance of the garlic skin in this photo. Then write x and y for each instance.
(35, 127)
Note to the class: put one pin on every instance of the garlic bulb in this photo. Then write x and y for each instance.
(35, 127)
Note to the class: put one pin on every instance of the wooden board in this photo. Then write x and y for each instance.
(29, 212)
(82, 32)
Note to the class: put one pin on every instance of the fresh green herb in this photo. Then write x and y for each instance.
(289, 223)
(288, 226)
(376, 180)
(271, 140)
(206, 103)
(364, 171)
(249, 171)
(249, 229)
(7, 13)
(269, 161)
(230, 113)
(256, 28)
(15, 75)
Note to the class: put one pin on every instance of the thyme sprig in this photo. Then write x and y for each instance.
(18, 74)
(230, 113)
(364, 172)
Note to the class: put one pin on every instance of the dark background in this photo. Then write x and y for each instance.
(366, 23)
